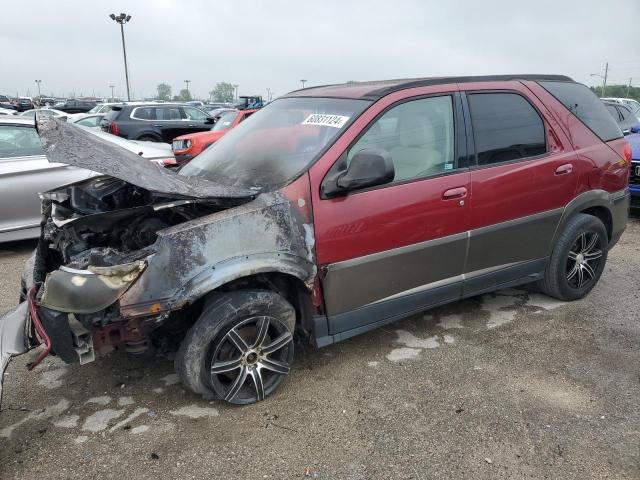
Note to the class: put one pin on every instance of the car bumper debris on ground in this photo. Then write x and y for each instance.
(507, 385)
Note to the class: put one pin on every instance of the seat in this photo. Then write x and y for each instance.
(417, 153)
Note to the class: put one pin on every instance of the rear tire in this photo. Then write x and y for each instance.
(578, 259)
(241, 347)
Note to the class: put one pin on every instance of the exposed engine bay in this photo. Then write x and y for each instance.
(96, 237)
(106, 221)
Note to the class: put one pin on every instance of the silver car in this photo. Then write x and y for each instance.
(25, 171)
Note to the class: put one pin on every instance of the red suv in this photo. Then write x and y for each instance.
(334, 211)
(185, 147)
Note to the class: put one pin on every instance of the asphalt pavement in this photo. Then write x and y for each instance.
(509, 385)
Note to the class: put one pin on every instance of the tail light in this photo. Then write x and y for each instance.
(626, 151)
(113, 128)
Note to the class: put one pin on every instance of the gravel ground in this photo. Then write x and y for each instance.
(508, 385)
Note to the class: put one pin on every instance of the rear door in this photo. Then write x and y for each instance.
(392, 249)
(171, 121)
(194, 120)
(524, 175)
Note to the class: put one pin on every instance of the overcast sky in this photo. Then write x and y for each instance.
(73, 46)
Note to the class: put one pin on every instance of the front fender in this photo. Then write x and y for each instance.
(268, 234)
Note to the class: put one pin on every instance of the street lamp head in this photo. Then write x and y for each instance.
(112, 16)
(128, 18)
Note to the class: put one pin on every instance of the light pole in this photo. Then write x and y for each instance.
(40, 81)
(268, 94)
(303, 81)
(122, 19)
(629, 87)
(112, 87)
(603, 77)
(187, 82)
(236, 87)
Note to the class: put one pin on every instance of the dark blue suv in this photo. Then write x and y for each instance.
(634, 178)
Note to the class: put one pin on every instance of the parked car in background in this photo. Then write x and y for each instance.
(634, 176)
(249, 101)
(47, 112)
(104, 107)
(75, 106)
(7, 103)
(216, 113)
(155, 122)
(332, 211)
(24, 103)
(185, 147)
(195, 103)
(624, 117)
(215, 106)
(634, 105)
(25, 171)
(46, 101)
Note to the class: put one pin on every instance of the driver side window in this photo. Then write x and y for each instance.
(419, 136)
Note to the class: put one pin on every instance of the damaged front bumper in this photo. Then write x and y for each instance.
(13, 337)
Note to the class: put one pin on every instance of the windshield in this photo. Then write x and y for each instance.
(225, 121)
(276, 143)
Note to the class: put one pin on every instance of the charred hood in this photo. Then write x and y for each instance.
(66, 143)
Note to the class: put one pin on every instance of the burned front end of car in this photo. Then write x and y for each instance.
(97, 239)
(125, 254)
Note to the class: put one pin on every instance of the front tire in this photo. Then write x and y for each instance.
(241, 347)
(577, 260)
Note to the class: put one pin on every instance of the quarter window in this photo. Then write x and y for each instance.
(419, 136)
(505, 127)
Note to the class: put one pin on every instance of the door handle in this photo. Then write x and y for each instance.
(193, 125)
(564, 169)
(458, 192)
(157, 125)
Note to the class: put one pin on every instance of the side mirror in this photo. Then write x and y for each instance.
(635, 128)
(369, 167)
(210, 120)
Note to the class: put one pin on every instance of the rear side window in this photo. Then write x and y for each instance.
(584, 104)
(506, 127)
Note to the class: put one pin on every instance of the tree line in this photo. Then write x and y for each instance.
(222, 92)
(618, 91)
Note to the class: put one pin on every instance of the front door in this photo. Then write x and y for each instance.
(388, 250)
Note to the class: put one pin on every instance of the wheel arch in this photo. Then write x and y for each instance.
(285, 276)
(597, 203)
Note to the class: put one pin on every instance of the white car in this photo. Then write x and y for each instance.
(634, 105)
(47, 112)
(7, 111)
(25, 171)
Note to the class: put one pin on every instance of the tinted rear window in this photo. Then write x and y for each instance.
(506, 127)
(584, 104)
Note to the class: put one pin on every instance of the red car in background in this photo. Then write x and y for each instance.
(185, 147)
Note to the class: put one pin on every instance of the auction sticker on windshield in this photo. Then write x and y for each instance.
(322, 120)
